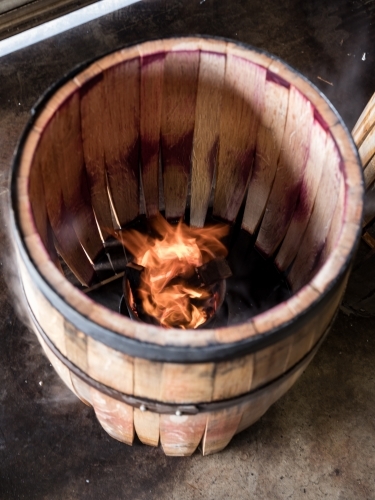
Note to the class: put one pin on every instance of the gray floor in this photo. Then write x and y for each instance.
(316, 442)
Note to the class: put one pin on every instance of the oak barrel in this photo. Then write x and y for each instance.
(165, 125)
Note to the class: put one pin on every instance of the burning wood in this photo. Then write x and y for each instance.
(173, 275)
(215, 270)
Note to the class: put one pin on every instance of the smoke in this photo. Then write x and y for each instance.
(9, 275)
(33, 370)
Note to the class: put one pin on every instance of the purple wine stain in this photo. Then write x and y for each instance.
(272, 77)
(318, 118)
(242, 174)
(149, 154)
(303, 207)
(152, 58)
(288, 209)
(130, 160)
(177, 155)
(246, 161)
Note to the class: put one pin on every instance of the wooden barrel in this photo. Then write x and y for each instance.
(166, 125)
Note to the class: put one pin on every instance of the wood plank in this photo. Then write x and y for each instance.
(242, 105)
(206, 133)
(322, 107)
(62, 371)
(367, 149)
(365, 123)
(146, 425)
(306, 199)
(291, 164)
(235, 333)
(309, 257)
(191, 383)
(81, 389)
(268, 145)
(336, 225)
(48, 318)
(271, 362)
(92, 105)
(69, 162)
(181, 435)
(114, 416)
(111, 368)
(233, 378)
(369, 173)
(76, 346)
(254, 410)
(38, 206)
(369, 212)
(147, 378)
(121, 137)
(177, 127)
(302, 342)
(67, 243)
(151, 99)
(220, 428)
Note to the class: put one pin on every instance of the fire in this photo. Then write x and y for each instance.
(169, 261)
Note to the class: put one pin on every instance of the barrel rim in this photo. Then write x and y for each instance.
(171, 352)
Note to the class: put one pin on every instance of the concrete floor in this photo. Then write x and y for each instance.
(318, 441)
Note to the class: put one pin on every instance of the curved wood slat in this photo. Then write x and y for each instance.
(151, 99)
(306, 199)
(336, 224)
(269, 139)
(177, 127)
(242, 105)
(120, 131)
(253, 411)
(147, 426)
(233, 378)
(110, 367)
(271, 362)
(290, 168)
(221, 426)
(72, 174)
(115, 417)
(309, 257)
(38, 206)
(60, 368)
(186, 384)
(66, 240)
(206, 134)
(92, 105)
(181, 435)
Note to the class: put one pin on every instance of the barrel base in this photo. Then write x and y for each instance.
(179, 435)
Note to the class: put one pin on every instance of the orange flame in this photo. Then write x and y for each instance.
(169, 261)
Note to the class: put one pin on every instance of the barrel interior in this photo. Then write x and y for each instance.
(182, 126)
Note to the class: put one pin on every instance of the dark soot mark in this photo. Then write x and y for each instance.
(256, 284)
